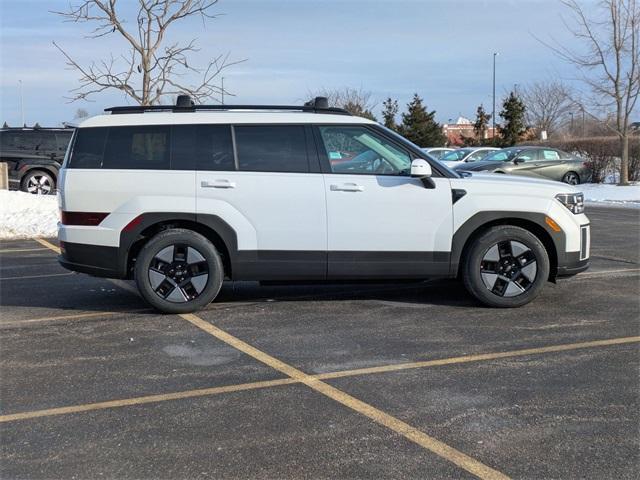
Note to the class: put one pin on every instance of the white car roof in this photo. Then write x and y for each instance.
(222, 117)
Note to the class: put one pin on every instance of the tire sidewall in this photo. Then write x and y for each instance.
(33, 173)
(473, 278)
(566, 178)
(192, 239)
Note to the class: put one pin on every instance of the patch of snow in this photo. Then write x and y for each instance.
(611, 195)
(24, 215)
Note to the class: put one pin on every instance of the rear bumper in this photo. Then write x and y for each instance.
(96, 260)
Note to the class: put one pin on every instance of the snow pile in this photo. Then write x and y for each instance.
(24, 215)
(611, 195)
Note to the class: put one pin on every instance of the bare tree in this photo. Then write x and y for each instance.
(81, 113)
(151, 66)
(355, 100)
(609, 61)
(548, 104)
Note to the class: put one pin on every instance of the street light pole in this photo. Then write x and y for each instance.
(571, 113)
(21, 103)
(493, 114)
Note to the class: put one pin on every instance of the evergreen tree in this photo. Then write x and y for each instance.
(359, 110)
(419, 125)
(389, 112)
(481, 124)
(514, 127)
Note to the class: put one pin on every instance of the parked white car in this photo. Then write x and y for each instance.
(182, 197)
(438, 152)
(466, 155)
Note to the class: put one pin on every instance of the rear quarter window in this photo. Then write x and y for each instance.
(88, 148)
(143, 148)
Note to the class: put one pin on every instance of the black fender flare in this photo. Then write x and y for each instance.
(211, 226)
(554, 242)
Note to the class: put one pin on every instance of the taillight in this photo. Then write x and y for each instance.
(89, 219)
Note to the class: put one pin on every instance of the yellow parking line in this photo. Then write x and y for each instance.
(142, 400)
(427, 442)
(323, 376)
(23, 277)
(477, 358)
(12, 250)
(49, 245)
(75, 316)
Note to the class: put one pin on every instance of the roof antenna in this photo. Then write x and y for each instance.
(184, 101)
(318, 102)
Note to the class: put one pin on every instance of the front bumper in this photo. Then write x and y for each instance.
(571, 264)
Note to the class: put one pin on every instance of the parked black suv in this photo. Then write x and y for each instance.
(34, 156)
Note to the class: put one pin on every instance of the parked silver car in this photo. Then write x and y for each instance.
(544, 162)
(466, 155)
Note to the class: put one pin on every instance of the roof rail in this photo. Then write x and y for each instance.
(184, 104)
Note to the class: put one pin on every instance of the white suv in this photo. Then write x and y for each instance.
(182, 197)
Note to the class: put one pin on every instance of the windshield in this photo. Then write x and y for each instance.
(455, 155)
(505, 155)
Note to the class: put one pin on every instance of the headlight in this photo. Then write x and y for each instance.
(573, 201)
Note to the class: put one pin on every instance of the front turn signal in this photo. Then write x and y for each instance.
(552, 224)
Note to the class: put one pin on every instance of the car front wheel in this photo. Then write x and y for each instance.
(506, 266)
(179, 271)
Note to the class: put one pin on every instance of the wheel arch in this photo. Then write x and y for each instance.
(554, 242)
(42, 168)
(216, 230)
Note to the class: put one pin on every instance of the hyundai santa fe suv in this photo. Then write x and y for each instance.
(182, 197)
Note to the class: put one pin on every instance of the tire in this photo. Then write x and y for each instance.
(38, 182)
(505, 267)
(572, 178)
(179, 271)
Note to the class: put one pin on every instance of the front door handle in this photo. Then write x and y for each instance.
(217, 184)
(347, 187)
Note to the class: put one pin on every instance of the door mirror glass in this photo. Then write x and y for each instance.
(420, 168)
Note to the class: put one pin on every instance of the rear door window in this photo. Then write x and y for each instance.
(550, 155)
(274, 148)
(144, 148)
(201, 147)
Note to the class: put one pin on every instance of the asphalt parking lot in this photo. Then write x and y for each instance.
(344, 381)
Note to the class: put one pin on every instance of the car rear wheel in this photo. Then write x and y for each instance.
(179, 271)
(38, 182)
(506, 266)
(572, 178)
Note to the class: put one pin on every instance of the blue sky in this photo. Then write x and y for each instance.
(441, 49)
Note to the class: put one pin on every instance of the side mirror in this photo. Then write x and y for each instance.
(516, 161)
(420, 168)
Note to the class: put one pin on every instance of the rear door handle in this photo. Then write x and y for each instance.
(347, 187)
(217, 184)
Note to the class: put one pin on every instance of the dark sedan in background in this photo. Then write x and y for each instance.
(540, 162)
